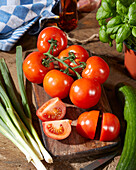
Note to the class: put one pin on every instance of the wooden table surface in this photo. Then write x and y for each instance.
(10, 156)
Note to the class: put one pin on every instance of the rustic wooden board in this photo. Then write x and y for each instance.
(75, 145)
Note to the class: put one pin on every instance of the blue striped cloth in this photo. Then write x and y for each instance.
(17, 16)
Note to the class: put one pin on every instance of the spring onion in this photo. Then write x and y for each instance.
(29, 125)
(16, 118)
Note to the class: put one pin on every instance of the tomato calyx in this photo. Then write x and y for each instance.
(46, 62)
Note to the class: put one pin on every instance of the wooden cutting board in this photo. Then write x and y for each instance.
(75, 145)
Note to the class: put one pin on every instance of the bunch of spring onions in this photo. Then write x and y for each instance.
(15, 117)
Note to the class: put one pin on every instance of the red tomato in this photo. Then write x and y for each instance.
(57, 129)
(97, 69)
(81, 55)
(85, 93)
(110, 127)
(47, 34)
(33, 68)
(53, 109)
(87, 123)
(57, 84)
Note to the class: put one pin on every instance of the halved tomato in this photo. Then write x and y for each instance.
(57, 129)
(110, 128)
(90, 123)
(53, 109)
(87, 123)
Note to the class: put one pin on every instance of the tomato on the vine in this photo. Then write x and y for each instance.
(110, 127)
(57, 129)
(87, 123)
(96, 68)
(57, 84)
(85, 93)
(33, 68)
(54, 33)
(53, 109)
(78, 53)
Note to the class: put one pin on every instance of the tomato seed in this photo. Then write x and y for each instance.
(58, 131)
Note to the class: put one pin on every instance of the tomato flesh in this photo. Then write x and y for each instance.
(87, 123)
(54, 109)
(110, 127)
(57, 129)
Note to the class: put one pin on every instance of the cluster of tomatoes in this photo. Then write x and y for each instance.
(38, 67)
(77, 75)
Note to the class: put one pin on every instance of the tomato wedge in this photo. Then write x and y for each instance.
(53, 109)
(87, 123)
(110, 127)
(57, 129)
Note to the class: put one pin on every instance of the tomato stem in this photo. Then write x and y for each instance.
(49, 55)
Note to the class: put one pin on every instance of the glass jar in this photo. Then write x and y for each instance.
(68, 16)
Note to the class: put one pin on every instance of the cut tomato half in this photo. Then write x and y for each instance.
(110, 128)
(87, 124)
(57, 129)
(54, 109)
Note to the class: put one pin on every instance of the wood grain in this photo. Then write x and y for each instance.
(75, 145)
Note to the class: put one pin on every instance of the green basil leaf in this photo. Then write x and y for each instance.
(102, 14)
(113, 36)
(119, 47)
(114, 21)
(132, 14)
(127, 3)
(123, 33)
(113, 30)
(102, 22)
(134, 31)
(120, 8)
(103, 36)
(108, 4)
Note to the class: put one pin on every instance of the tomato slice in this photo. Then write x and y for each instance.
(57, 129)
(53, 109)
(87, 123)
(110, 127)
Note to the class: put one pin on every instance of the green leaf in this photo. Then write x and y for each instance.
(102, 22)
(108, 4)
(134, 31)
(103, 36)
(113, 30)
(20, 76)
(113, 36)
(103, 14)
(132, 14)
(123, 33)
(119, 47)
(114, 21)
(127, 3)
(121, 9)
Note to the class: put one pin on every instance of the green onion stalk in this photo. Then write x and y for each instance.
(13, 131)
(15, 117)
